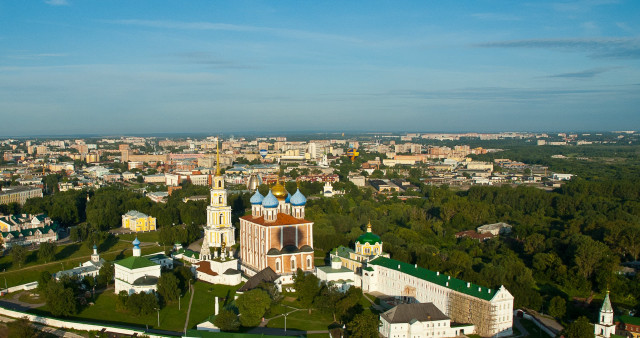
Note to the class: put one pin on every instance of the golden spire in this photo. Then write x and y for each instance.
(217, 157)
(369, 226)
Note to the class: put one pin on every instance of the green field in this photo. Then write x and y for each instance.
(302, 320)
(151, 236)
(172, 316)
(70, 255)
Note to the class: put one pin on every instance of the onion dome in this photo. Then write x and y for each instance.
(256, 198)
(279, 191)
(136, 242)
(288, 199)
(298, 199)
(368, 237)
(95, 246)
(270, 201)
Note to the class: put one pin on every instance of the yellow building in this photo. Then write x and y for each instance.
(137, 221)
(368, 246)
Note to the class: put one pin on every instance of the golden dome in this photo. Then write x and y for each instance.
(279, 191)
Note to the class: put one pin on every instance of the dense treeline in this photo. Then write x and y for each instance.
(567, 243)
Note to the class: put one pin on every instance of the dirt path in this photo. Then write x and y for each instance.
(186, 322)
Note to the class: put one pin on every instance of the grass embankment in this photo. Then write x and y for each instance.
(67, 257)
(172, 315)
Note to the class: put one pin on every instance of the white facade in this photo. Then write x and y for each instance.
(399, 279)
(219, 272)
(136, 274)
(605, 327)
(219, 232)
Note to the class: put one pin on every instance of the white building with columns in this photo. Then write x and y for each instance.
(136, 274)
(219, 233)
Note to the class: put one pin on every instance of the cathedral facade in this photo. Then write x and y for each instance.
(276, 234)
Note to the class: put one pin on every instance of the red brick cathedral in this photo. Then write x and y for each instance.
(276, 235)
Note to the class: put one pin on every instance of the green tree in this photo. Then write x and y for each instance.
(168, 287)
(43, 281)
(47, 252)
(557, 307)
(19, 254)
(142, 303)
(252, 305)
(580, 328)
(307, 288)
(108, 271)
(60, 300)
(227, 320)
(363, 325)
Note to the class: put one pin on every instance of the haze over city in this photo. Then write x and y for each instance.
(113, 67)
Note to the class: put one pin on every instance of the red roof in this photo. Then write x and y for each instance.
(282, 219)
(205, 267)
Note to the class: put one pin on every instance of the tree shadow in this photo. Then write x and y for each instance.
(120, 255)
(32, 257)
(108, 243)
(67, 251)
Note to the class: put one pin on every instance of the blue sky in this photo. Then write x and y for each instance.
(118, 67)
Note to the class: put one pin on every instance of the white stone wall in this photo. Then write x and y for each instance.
(72, 325)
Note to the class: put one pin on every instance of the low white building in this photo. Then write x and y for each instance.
(88, 268)
(419, 320)
(219, 271)
(337, 275)
(561, 177)
(490, 310)
(136, 274)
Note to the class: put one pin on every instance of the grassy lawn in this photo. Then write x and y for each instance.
(172, 316)
(73, 254)
(203, 300)
(31, 298)
(302, 320)
(151, 236)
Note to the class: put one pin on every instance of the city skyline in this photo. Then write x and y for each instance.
(73, 67)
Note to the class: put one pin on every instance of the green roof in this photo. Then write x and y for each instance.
(368, 237)
(328, 269)
(630, 320)
(135, 262)
(432, 277)
(336, 259)
(342, 251)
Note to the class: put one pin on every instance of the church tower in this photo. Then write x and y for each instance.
(605, 326)
(219, 232)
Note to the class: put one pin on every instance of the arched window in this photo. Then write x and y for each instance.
(278, 265)
(293, 264)
(221, 218)
(220, 200)
(309, 262)
(219, 184)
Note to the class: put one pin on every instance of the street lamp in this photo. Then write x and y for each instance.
(285, 323)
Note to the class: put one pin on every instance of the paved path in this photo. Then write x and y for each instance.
(186, 322)
(374, 305)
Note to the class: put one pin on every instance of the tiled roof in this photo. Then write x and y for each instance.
(405, 313)
(431, 276)
(134, 262)
(282, 219)
(205, 267)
